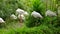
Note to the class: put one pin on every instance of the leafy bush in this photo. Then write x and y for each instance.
(9, 7)
(39, 7)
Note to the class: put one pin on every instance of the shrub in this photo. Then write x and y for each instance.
(39, 7)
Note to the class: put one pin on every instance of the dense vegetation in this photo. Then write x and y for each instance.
(31, 25)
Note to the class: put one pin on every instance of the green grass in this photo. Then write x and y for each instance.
(42, 29)
(14, 27)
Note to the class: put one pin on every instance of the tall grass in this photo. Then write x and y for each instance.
(37, 6)
(8, 7)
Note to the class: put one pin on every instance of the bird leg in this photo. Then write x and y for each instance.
(20, 19)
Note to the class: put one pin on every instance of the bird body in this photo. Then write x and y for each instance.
(36, 14)
(21, 14)
(26, 13)
(19, 11)
(50, 13)
(2, 21)
(22, 17)
(13, 16)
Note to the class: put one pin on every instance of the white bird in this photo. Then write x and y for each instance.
(26, 13)
(36, 14)
(13, 16)
(21, 14)
(22, 17)
(19, 11)
(50, 13)
(2, 21)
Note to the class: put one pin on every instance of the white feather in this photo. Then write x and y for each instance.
(2, 21)
(19, 11)
(22, 16)
(13, 16)
(26, 13)
(50, 13)
(36, 14)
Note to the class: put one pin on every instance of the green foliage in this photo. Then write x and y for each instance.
(39, 7)
(33, 22)
(8, 7)
(42, 29)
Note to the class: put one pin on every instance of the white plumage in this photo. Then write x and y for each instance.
(19, 11)
(13, 16)
(36, 14)
(50, 13)
(26, 13)
(2, 21)
(21, 14)
(22, 17)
